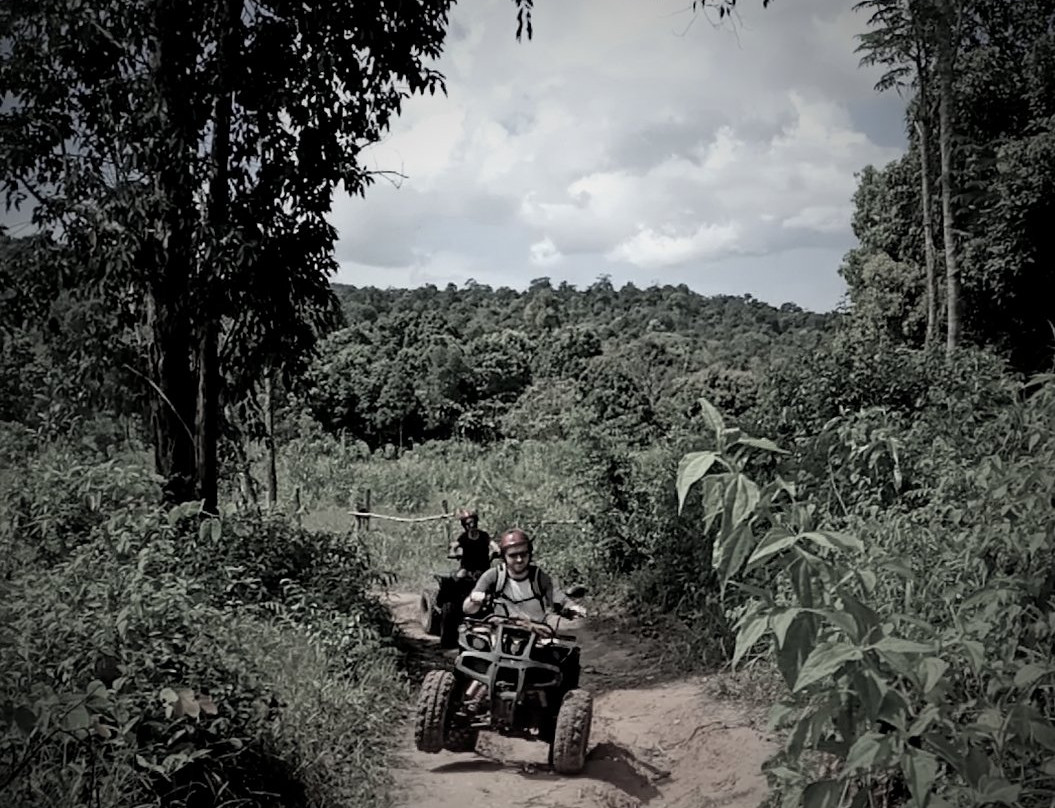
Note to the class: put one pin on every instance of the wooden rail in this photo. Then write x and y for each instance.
(370, 515)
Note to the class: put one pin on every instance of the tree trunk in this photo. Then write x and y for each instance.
(207, 417)
(272, 466)
(208, 409)
(946, 66)
(171, 402)
(930, 259)
(171, 257)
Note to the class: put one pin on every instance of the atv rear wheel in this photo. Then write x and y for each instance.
(435, 705)
(571, 737)
(450, 616)
(462, 740)
(430, 621)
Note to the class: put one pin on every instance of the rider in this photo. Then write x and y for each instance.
(473, 547)
(523, 588)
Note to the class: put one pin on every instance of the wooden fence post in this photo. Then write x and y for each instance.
(363, 506)
(446, 522)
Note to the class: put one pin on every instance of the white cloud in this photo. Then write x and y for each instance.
(618, 138)
(650, 249)
(545, 253)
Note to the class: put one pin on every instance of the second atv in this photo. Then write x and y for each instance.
(440, 606)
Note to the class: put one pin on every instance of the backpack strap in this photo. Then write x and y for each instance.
(534, 576)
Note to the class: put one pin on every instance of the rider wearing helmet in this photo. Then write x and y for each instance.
(473, 547)
(519, 586)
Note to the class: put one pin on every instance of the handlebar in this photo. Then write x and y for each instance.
(542, 629)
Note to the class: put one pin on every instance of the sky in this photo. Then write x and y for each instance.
(631, 139)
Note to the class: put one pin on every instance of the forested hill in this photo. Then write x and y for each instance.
(480, 363)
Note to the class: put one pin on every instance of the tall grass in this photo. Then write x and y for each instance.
(540, 487)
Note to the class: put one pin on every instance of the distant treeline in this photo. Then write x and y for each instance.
(482, 363)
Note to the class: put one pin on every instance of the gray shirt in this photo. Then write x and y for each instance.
(521, 598)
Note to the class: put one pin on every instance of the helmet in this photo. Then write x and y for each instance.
(465, 514)
(514, 538)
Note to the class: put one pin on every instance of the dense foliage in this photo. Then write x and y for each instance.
(482, 363)
(913, 621)
(149, 657)
(178, 161)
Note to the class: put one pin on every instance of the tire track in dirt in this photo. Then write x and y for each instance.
(664, 743)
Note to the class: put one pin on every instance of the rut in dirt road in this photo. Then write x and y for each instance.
(658, 743)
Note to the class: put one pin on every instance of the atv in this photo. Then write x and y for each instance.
(530, 689)
(440, 607)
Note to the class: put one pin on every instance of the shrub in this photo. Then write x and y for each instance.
(156, 658)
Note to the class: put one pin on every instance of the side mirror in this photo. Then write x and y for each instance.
(576, 591)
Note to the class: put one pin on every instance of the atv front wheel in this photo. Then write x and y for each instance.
(430, 621)
(571, 737)
(435, 705)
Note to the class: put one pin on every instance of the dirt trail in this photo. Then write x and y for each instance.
(664, 744)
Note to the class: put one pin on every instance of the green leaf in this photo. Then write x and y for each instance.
(975, 653)
(868, 689)
(800, 639)
(841, 620)
(824, 661)
(926, 717)
(831, 540)
(868, 580)
(977, 766)
(920, 769)
(867, 620)
(896, 645)
(692, 467)
(997, 789)
(822, 794)
(893, 709)
(749, 635)
(948, 751)
(989, 721)
(216, 529)
(771, 545)
(899, 568)
(931, 671)
(863, 753)
(1043, 733)
(25, 719)
(735, 549)
(77, 719)
(712, 417)
(1030, 673)
(762, 443)
(745, 498)
(781, 621)
(1048, 767)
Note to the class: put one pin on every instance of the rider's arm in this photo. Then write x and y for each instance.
(485, 584)
(554, 595)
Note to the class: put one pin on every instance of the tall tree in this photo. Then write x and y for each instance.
(899, 39)
(948, 17)
(188, 153)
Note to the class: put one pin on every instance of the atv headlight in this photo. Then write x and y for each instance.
(478, 642)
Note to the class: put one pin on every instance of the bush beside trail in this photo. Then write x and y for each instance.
(149, 657)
